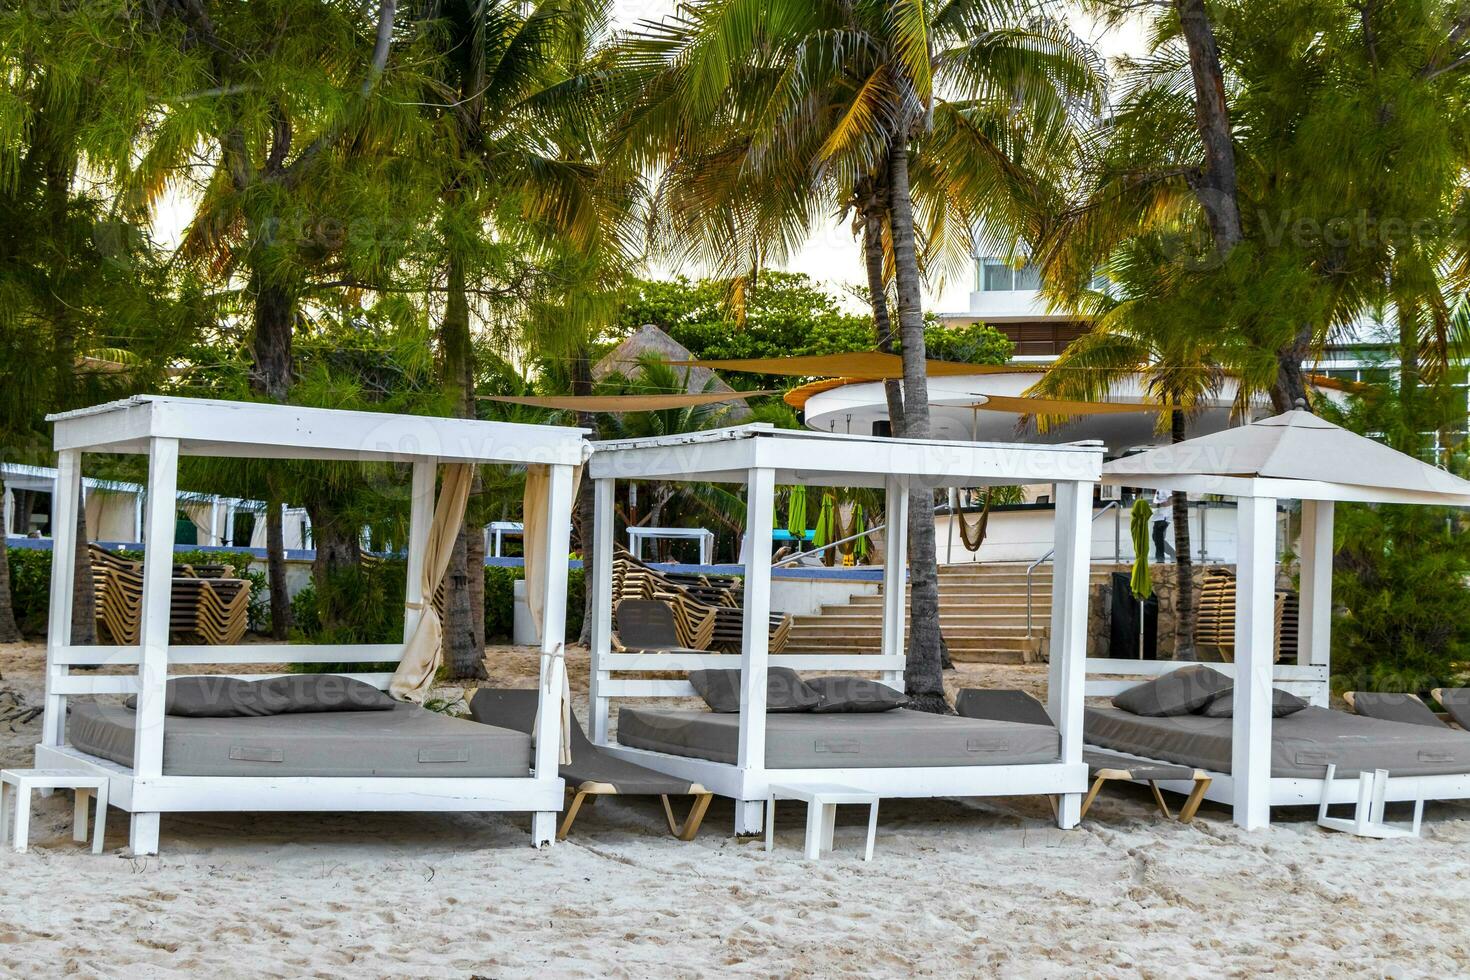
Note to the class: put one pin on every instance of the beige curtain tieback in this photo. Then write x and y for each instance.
(415, 605)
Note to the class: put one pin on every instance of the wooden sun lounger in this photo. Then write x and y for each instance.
(592, 772)
(1021, 708)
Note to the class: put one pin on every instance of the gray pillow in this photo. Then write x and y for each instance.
(785, 690)
(854, 695)
(1282, 704)
(294, 694)
(210, 697)
(1179, 692)
(231, 697)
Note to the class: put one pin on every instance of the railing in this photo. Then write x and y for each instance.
(1031, 569)
(798, 556)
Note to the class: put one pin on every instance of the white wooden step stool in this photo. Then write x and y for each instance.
(19, 783)
(822, 801)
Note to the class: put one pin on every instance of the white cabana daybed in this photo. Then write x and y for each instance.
(1294, 456)
(762, 458)
(165, 428)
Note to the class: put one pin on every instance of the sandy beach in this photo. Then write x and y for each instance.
(956, 887)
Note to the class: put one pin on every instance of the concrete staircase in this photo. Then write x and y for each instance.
(982, 612)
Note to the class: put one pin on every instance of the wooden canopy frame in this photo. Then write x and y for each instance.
(762, 457)
(1200, 466)
(165, 428)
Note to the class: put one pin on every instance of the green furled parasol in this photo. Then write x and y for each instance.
(1141, 583)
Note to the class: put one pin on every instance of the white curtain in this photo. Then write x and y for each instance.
(202, 516)
(535, 510)
(425, 645)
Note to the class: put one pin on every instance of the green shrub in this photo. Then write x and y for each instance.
(1401, 574)
(30, 588)
(500, 602)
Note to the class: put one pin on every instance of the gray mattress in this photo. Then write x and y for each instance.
(888, 739)
(407, 741)
(1302, 744)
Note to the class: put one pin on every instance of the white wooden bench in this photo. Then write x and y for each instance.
(822, 801)
(20, 783)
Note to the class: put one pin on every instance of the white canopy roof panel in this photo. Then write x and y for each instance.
(824, 459)
(257, 430)
(1297, 456)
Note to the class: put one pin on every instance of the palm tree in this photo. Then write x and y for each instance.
(1269, 133)
(514, 107)
(767, 117)
(1138, 331)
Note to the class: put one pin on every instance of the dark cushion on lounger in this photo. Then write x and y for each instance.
(231, 697)
(1001, 704)
(1456, 701)
(1389, 706)
(1179, 692)
(648, 625)
(854, 695)
(516, 709)
(785, 690)
(1283, 703)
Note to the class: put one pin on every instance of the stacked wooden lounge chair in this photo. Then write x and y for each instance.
(708, 610)
(208, 604)
(1215, 616)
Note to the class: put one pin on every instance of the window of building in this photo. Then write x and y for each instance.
(996, 276)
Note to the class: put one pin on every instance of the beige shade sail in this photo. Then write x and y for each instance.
(867, 365)
(1024, 405)
(424, 647)
(624, 403)
(534, 515)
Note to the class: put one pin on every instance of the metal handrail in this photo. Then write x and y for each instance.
(798, 556)
(789, 559)
(1111, 504)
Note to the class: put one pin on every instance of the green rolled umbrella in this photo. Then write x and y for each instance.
(826, 529)
(1141, 583)
(860, 546)
(796, 512)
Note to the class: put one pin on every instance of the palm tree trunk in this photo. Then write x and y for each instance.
(275, 566)
(464, 587)
(84, 590)
(9, 631)
(270, 375)
(1216, 186)
(1184, 611)
(923, 674)
(873, 259)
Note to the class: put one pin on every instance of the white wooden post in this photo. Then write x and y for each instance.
(1314, 636)
(600, 581)
(553, 642)
(895, 573)
(1071, 568)
(760, 500)
(158, 562)
(65, 500)
(420, 520)
(1255, 654)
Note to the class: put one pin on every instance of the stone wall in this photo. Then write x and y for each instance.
(1100, 604)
